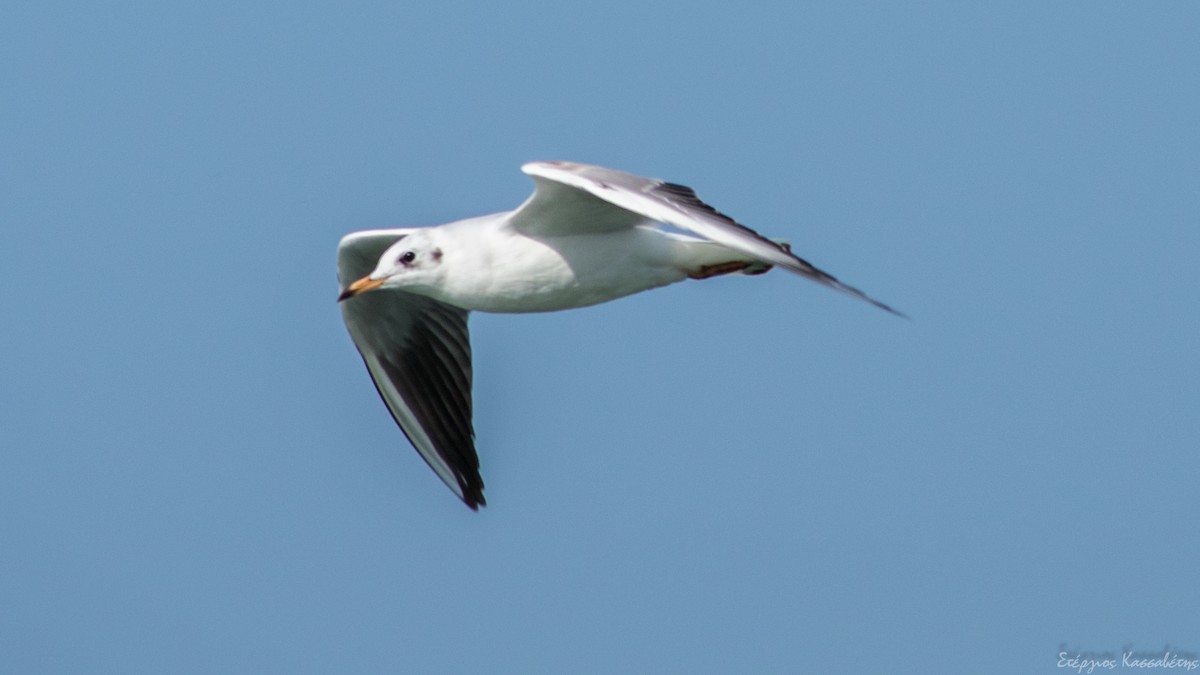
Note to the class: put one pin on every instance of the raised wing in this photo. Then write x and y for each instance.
(561, 207)
(418, 353)
(641, 199)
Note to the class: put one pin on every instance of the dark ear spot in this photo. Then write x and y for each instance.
(437, 254)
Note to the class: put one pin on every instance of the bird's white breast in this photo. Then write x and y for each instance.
(506, 271)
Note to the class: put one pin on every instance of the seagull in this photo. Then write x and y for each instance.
(587, 235)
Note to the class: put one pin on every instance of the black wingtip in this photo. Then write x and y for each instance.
(472, 491)
(863, 296)
(897, 312)
(474, 500)
(819, 275)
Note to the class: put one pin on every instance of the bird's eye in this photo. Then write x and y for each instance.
(407, 257)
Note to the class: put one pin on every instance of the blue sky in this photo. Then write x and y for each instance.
(739, 475)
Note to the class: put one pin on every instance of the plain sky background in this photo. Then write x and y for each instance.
(741, 475)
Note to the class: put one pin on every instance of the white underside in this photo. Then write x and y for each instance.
(506, 271)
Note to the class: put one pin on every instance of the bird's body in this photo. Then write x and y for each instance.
(512, 271)
(588, 235)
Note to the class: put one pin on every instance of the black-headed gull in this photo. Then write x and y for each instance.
(587, 235)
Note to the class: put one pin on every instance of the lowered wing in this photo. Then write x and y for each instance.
(418, 353)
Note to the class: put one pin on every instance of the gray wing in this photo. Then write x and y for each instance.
(418, 353)
(566, 188)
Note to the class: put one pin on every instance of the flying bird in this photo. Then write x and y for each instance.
(587, 235)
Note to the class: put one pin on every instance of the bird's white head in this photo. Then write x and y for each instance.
(413, 263)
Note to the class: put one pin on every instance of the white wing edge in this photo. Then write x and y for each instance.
(409, 424)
